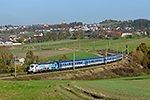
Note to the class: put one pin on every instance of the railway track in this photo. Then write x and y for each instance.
(37, 74)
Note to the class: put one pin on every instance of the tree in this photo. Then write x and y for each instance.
(68, 33)
(21, 39)
(143, 47)
(142, 55)
(62, 58)
(81, 33)
(6, 56)
(137, 56)
(60, 35)
(145, 61)
(75, 35)
(29, 57)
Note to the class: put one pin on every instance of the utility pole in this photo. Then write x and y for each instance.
(128, 50)
(74, 45)
(117, 48)
(94, 45)
(30, 42)
(40, 43)
(122, 53)
(79, 44)
(117, 57)
(106, 55)
(74, 60)
(15, 65)
(66, 44)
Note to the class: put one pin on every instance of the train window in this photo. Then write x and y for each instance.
(32, 66)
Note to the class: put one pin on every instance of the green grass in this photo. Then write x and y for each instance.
(99, 44)
(124, 88)
(26, 90)
(26, 34)
(110, 24)
(78, 55)
(119, 88)
(49, 43)
(25, 51)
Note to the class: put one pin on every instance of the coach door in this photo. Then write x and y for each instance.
(86, 63)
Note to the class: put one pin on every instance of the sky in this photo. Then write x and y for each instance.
(29, 12)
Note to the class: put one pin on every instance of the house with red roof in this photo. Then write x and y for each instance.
(38, 34)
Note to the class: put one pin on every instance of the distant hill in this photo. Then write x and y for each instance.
(138, 23)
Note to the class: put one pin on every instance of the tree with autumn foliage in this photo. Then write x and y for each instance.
(6, 59)
(21, 39)
(29, 57)
(62, 58)
(141, 55)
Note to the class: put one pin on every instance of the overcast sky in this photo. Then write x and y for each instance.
(27, 12)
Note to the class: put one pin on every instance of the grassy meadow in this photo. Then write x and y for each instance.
(78, 55)
(25, 51)
(26, 34)
(99, 44)
(119, 88)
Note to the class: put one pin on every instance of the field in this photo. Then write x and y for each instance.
(126, 88)
(49, 43)
(51, 54)
(78, 55)
(40, 53)
(26, 34)
(25, 51)
(120, 88)
(99, 44)
(110, 24)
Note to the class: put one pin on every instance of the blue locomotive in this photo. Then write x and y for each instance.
(69, 63)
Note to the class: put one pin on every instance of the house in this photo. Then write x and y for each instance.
(87, 35)
(38, 34)
(20, 61)
(26, 32)
(12, 37)
(126, 33)
(26, 37)
(139, 32)
(104, 28)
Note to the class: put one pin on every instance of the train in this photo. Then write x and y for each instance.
(60, 65)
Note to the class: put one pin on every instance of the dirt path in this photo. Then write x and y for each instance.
(44, 54)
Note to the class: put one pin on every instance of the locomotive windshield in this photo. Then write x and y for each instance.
(32, 66)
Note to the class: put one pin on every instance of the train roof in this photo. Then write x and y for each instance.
(86, 59)
(45, 63)
(79, 59)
